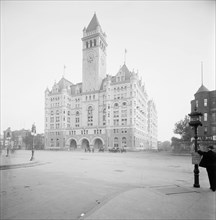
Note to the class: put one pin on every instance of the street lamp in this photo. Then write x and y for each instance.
(195, 122)
(8, 137)
(33, 133)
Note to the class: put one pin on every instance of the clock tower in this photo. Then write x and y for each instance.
(94, 56)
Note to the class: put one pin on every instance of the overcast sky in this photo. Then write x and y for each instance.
(165, 41)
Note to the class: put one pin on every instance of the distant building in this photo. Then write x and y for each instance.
(152, 125)
(102, 110)
(22, 139)
(205, 102)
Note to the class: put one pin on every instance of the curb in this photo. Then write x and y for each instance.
(14, 166)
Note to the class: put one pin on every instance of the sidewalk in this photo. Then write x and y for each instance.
(157, 202)
(16, 160)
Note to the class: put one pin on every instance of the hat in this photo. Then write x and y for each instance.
(210, 147)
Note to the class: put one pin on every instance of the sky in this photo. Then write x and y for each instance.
(166, 42)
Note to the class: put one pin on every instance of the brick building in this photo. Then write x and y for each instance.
(205, 101)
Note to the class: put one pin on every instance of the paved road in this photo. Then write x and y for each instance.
(74, 185)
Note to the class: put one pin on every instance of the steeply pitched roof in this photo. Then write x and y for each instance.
(202, 89)
(64, 83)
(94, 23)
(125, 69)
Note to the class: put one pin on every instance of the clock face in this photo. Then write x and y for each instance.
(90, 58)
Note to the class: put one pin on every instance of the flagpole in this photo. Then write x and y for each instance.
(64, 71)
(202, 72)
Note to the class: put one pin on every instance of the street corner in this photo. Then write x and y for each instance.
(156, 202)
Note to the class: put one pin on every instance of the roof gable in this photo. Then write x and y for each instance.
(94, 23)
(202, 89)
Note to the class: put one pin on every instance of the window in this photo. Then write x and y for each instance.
(116, 121)
(124, 142)
(115, 142)
(57, 142)
(51, 143)
(205, 102)
(90, 43)
(124, 113)
(205, 116)
(90, 116)
(115, 114)
(94, 42)
(124, 121)
(77, 120)
(116, 105)
(86, 44)
(214, 117)
(196, 104)
(205, 130)
(104, 116)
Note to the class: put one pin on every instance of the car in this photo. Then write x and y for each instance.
(123, 150)
(101, 149)
(114, 149)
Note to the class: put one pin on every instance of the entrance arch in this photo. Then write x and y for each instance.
(73, 144)
(85, 144)
(98, 143)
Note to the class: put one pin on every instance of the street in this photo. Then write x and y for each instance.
(69, 185)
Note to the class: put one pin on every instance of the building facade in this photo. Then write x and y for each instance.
(102, 110)
(205, 102)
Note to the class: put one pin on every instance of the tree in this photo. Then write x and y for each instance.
(164, 146)
(28, 140)
(183, 129)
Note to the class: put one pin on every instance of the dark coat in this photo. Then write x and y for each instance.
(208, 159)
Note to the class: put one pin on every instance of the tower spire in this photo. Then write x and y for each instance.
(64, 71)
(202, 72)
(125, 56)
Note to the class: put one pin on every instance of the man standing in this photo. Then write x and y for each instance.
(209, 162)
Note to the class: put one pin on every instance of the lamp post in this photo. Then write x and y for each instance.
(33, 133)
(195, 122)
(8, 137)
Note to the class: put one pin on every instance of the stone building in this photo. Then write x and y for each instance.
(205, 102)
(102, 110)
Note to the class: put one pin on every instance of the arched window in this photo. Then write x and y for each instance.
(90, 116)
(116, 105)
(57, 142)
(77, 120)
(104, 116)
(124, 142)
(115, 142)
